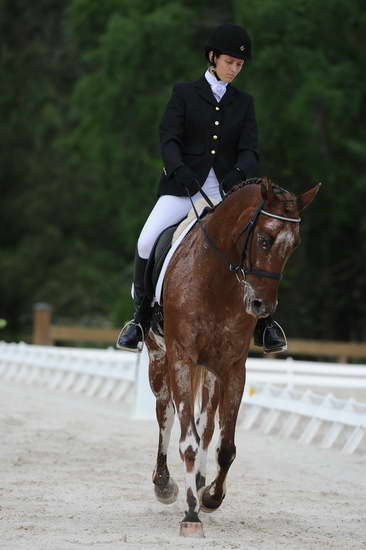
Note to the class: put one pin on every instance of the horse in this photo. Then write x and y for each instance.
(223, 277)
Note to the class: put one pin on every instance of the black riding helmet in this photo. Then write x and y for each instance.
(231, 40)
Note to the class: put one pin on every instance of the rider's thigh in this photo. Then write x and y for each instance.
(167, 211)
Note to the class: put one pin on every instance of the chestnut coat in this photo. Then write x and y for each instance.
(202, 133)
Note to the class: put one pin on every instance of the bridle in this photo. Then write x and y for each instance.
(240, 269)
(248, 232)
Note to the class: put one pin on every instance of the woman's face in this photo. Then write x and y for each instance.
(227, 67)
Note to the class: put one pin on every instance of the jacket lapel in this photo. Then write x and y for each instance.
(204, 90)
(229, 95)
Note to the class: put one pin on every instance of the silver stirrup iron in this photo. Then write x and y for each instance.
(283, 348)
(140, 345)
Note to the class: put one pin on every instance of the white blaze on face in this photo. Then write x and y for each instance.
(285, 241)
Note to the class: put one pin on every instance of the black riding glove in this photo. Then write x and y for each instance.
(185, 176)
(232, 178)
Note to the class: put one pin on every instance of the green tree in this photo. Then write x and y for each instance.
(307, 78)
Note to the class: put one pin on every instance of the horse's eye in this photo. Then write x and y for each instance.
(264, 242)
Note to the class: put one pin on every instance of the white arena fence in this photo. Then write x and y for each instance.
(286, 411)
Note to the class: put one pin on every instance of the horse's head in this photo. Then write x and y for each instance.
(267, 247)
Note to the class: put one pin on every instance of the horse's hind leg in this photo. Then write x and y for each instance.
(205, 422)
(166, 490)
(230, 399)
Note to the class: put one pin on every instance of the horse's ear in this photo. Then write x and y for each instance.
(266, 189)
(306, 198)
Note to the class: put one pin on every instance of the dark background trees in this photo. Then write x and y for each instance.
(83, 87)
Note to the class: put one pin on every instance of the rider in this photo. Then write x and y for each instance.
(208, 134)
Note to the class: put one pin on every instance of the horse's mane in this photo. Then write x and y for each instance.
(256, 181)
(287, 198)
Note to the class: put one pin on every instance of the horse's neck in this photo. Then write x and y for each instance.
(230, 217)
(224, 227)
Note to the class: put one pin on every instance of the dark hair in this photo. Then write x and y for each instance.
(216, 53)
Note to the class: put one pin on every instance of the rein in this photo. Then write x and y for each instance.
(248, 232)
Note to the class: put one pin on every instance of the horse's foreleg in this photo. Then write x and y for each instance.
(230, 399)
(206, 423)
(166, 490)
(188, 443)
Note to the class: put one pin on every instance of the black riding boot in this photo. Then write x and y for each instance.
(270, 335)
(133, 334)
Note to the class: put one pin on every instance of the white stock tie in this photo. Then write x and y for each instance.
(218, 90)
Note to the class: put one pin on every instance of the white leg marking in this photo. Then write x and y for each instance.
(190, 477)
(202, 424)
(166, 431)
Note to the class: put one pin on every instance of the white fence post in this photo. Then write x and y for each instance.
(144, 398)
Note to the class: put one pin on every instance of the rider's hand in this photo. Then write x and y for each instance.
(232, 178)
(185, 176)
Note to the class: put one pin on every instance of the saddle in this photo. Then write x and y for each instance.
(156, 260)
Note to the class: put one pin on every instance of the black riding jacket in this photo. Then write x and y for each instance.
(202, 133)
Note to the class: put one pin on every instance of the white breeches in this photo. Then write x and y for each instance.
(170, 210)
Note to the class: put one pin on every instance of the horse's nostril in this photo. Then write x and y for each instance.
(257, 305)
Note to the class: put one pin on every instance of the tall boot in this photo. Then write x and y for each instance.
(133, 334)
(270, 335)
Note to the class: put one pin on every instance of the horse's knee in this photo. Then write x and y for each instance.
(226, 455)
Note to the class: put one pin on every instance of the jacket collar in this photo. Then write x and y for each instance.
(204, 90)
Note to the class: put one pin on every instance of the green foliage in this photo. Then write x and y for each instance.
(86, 83)
(307, 78)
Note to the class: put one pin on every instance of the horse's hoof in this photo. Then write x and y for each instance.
(207, 503)
(191, 529)
(167, 494)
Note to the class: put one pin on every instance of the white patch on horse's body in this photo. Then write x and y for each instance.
(156, 355)
(202, 425)
(248, 297)
(182, 378)
(189, 441)
(164, 393)
(159, 340)
(218, 447)
(202, 453)
(166, 430)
